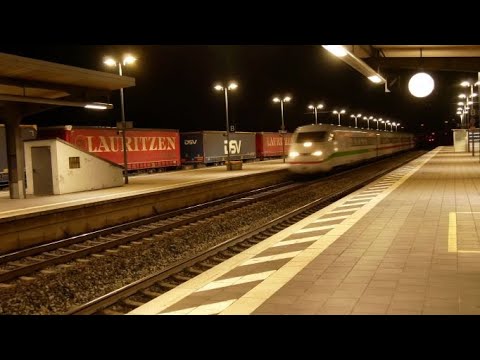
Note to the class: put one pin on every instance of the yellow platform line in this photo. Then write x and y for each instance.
(452, 232)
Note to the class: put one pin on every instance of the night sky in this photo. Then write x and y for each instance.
(175, 87)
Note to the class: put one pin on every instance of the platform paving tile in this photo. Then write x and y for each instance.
(378, 291)
(345, 292)
(285, 249)
(401, 311)
(369, 309)
(387, 275)
(440, 307)
(335, 310)
(352, 279)
(254, 268)
(397, 260)
(143, 184)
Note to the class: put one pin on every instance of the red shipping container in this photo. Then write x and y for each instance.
(269, 144)
(146, 148)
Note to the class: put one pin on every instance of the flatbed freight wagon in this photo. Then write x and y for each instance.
(210, 147)
(269, 144)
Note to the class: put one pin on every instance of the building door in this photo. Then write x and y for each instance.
(42, 171)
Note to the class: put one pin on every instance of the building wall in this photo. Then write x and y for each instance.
(94, 173)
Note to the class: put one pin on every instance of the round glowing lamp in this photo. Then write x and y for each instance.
(421, 85)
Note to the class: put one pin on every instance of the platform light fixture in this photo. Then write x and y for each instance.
(286, 99)
(472, 95)
(421, 85)
(339, 114)
(97, 106)
(355, 117)
(232, 85)
(357, 63)
(337, 50)
(126, 60)
(314, 108)
(375, 79)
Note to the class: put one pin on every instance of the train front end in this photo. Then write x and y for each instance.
(310, 149)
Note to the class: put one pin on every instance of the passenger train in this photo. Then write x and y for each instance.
(319, 148)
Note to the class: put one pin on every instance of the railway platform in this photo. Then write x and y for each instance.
(38, 219)
(407, 243)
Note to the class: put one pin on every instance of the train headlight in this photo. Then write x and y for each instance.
(317, 153)
(293, 154)
(307, 144)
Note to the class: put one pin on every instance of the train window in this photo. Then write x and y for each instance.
(361, 141)
(316, 136)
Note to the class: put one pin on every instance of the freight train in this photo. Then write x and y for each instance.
(163, 149)
(210, 147)
(319, 148)
(270, 145)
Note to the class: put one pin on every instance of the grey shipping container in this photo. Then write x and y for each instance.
(28, 132)
(209, 147)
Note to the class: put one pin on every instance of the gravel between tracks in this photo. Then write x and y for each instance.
(59, 288)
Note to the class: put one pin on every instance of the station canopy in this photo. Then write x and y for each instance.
(36, 81)
(464, 58)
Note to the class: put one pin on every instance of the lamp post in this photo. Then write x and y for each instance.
(219, 87)
(281, 101)
(463, 104)
(471, 96)
(391, 126)
(314, 108)
(460, 112)
(339, 114)
(377, 121)
(356, 116)
(110, 61)
(465, 109)
(366, 118)
(478, 92)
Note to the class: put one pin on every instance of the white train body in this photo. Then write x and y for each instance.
(319, 148)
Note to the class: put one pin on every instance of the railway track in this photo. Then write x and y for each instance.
(27, 261)
(129, 297)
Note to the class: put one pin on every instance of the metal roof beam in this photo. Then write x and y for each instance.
(427, 51)
(39, 100)
(67, 89)
(362, 51)
(434, 64)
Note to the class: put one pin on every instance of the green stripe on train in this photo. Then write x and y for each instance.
(348, 153)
